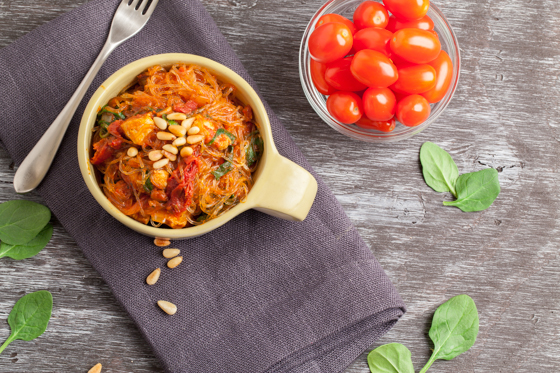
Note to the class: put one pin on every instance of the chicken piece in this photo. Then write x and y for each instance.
(208, 129)
(174, 221)
(159, 179)
(138, 127)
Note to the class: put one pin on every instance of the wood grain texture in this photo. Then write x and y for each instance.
(505, 115)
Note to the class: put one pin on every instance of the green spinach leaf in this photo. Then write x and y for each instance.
(148, 186)
(222, 170)
(21, 221)
(254, 151)
(476, 191)
(27, 250)
(439, 170)
(454, 329)
(29, 317)
(222, 131)
(390, 358)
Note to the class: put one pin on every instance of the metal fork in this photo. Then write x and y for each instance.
(130, 17)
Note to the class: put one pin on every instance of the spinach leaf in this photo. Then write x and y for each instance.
(222, 131)
(202, 217)
(148, 186)
(254, 150)
(172, 122)
(116, 115)
(476, 191)
(21, 221)
(390, 358)
(29, 317)
(222, 170)
(439, 170)
(27, 250)
(454, 329)
(103, 132)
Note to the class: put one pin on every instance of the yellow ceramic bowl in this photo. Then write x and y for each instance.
(282, 188)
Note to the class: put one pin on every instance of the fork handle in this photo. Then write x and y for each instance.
(35, 166)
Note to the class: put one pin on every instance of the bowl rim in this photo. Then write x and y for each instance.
(120, 79)
(359, 133)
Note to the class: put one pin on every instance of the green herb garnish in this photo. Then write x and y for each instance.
(29, 249)
(474, 191)
(103, 128)
(21, 221)
(29, 317)
(222, 131)
(117, 115)
(172, 123)
(148, 186)
(222, 170)
(254, 151)
(202, 217)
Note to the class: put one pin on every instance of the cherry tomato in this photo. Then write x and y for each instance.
(339, 76)
(383, 126)
(408, 10)
(416, 79)
(413, 110)
(379, 104)
(373, 68)
(346, 107)
(444, 72)
(318, 77)
(370, 14)
(331, 17)
(374, 38)
(330, 42)
(424, 23)
(415, 45)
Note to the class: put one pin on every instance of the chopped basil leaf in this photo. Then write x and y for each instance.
(222, 170)
(254, 151)
(117, 115)
(103, 128)
(202, 217)
(148, 186)
(172, 123)
(222, 131)
(164, 116)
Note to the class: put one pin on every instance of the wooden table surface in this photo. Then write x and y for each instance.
(505, 115)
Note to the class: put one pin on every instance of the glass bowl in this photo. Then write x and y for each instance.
(319, 102)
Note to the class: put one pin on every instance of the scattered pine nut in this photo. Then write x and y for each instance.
(162, 242)
(96, 368)
(187, 123)
(194, 139)
(153, 277)
(172, 263)
(193, 130)
(167, 307)
(160, 123)
(172, 157)
(186, 151)
(155, 155)
(166, 136)
(180, 141)
(170, 148)
(132, 151)
(171, 253)
(176, 116)
(161, 163)
(177, 130)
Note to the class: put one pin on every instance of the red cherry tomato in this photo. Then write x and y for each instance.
(383, 126)
(408, 10)
(346, 107)
(331, 17)
(330, 42)
(415, 45)
(339, 76)
(444, 72)
(395, 24)
(413, 110)
(416, 79)
(374, 69)
(379, 104)
(318, 77)
(370, 14)
(374, 38)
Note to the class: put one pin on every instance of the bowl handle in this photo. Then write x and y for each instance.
(290, 190)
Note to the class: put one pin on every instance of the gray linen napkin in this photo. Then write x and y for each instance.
(258, 294)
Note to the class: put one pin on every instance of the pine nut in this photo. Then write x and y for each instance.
(175, 262)
(186, 151)
(160, 123)
(161, 163)
(187, 123)
(153, 277)
(180, 141)
(167, 307)
(96, 368)
(177, 130)
(166, 136)
(132, 151)
(155, 155)
(162, 242)
(172, 157)
(194, 139)
(193, 130)
(171, 253)
(170, 148)
(176, 116)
